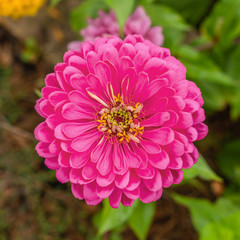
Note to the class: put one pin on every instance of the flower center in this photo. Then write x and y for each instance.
(121, 120)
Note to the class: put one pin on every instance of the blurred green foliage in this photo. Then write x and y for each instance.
(214, 221)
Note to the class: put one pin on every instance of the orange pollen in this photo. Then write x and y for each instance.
(121, 120)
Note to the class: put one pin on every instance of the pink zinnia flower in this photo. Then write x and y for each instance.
(120, 121)
(107, 25)
(140, 23)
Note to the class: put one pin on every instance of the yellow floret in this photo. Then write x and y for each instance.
(19, 8)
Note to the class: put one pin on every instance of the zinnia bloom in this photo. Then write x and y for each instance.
(19, 8)
(107, 25)
(120, 121)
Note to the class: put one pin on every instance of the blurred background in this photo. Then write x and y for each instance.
(205, 36)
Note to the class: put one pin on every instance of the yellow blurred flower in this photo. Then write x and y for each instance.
(19, 8)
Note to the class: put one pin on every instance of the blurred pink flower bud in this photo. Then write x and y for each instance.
(106, 25)
(140, 23)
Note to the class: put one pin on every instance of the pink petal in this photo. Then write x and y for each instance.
(202, 130)
(78, 160)
(102, 71)
(72, 130)
(77, 191)
(127, 202)
(194, 154)
(176, 103)
(187, 161)
(131, 157)
(120, 162)
(78, 82)
(105, 162)
(85, 141)
(122, 181)
(132, 194)
(167, 178)
(155, 105)
(185, 120)
(146, 173)
(54, 119)
(191, 105)
(51, 80)
(43, 150)
(52, 163)
(54, 147)
(156, 120)
(199, 116)
(111, 54)
(80, 98)
(89, 171)
(79, 64)
(156, 85)
(177, 176)
(72, 111)
(104, 192)
(134, 180)
(59, 134)
(46, 107)
(63, 159)
(158, 194)
(140, 59)
(89, 191)
(162, 136)
(142, 155)
(105, 180)
(160, 160)
(175, 148)
(115, 198)
(173, 119)
(146, 195)
(150, 147)
(154, 184)
(175, 163)
(93, 202)
(155, 67)
(46, 91)
(62, 174)
(99, 150)
(127, 49)
(155, 35)
(44, 133)
(140, 87)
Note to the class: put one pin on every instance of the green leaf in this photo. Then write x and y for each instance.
(172, 23)
(215, 231)
(233, 69)
(232, 66)
(201, 169)
(141, 219)
(215, 85)
(187, 7)
(227, 228)
(204, 212)
(53, 3)
(228, 160)
(112, 218)
(164, 16)
(223, 24)
(122, 10)
(88, 8)
(201, 67)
